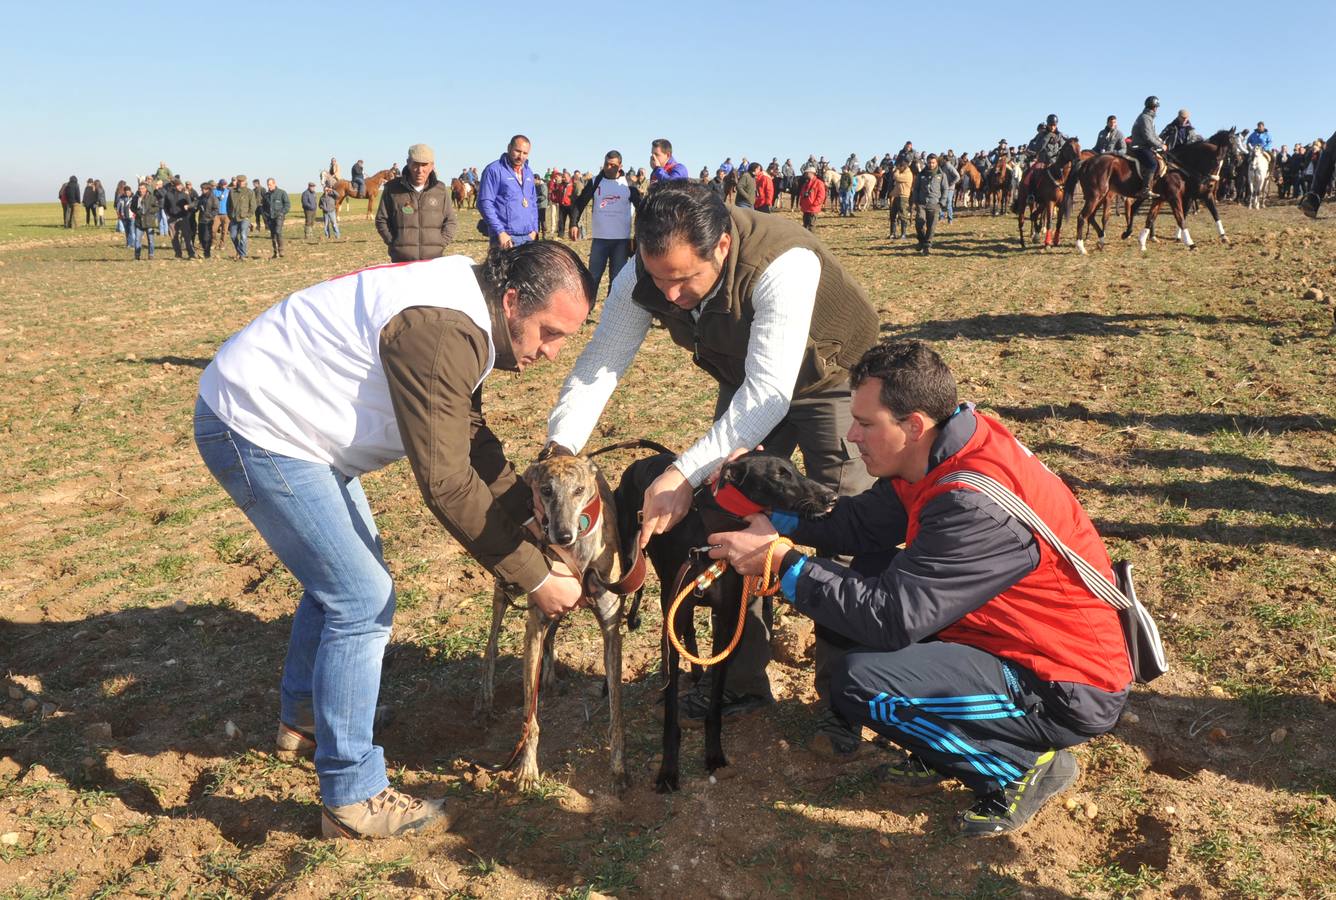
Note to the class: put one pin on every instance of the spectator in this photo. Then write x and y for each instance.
(663, 166)
(930, 190)
(562, 197)
(124, 216)
(613, 200)
(811, 197)
(180, 218)
(222, 190)
(69, 200)
(206, 206)
(242, 204)
(745, 198)
(541, 193)
(90, 203)
(310, 202)
(146, 208)
(902, 181)
(719, 183)
(277, 205)
(416, 217)
(765, 188)
(329, 204)
(507, 199)
(952, 176)
(258, 188)
(846, 188)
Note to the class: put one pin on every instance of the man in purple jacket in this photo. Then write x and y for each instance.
(507, 199)
(665, 167)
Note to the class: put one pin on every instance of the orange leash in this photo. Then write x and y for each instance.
(752, 586)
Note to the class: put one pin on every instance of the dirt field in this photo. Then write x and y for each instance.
(1185, 397)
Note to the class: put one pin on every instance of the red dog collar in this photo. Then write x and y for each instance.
(732, 500)
(591, 514)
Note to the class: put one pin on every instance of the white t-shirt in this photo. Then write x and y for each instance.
(305, 378)
(612, 208)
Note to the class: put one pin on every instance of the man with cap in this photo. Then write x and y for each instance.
(310, 200)
(811, 197)
(507, 198)
(416, 218)
(1179, 132)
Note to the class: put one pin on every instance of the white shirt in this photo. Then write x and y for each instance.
(612, 208)
(305, 378)
(783, 299)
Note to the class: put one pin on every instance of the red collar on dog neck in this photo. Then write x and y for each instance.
(591, 514)
(732, 500)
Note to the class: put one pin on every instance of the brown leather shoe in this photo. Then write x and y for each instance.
(388, 814)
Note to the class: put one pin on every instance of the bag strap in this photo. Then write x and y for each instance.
(1018, 508)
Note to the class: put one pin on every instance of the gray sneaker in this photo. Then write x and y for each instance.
(388, 814)
(836, 739)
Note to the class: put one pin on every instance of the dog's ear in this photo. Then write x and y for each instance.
(530, 475)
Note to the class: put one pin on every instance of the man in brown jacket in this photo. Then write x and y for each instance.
(416, 217)
(769, 313)
(341, 379)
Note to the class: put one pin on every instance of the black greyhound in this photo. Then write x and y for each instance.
(768, 482)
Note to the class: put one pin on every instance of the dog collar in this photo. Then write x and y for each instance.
(591, 515)
(732, 500)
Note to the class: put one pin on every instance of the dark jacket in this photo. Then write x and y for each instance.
(176, 203)
(1110, 140)
(145, 208)
(90, 196)
(1143, 132)
(329, 202)
(416, 225)
(241, 203)
(930, 188)
(69, 195)
(277, 204)
(843, 326)
(309, 200)
(207, 208)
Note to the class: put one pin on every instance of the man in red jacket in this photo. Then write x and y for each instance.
(765, 188)
(811, 197)
(981, 651)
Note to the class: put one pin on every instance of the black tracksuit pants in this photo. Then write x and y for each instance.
(967, 713)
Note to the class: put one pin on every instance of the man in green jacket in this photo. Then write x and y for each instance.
(241, 207)
(276, 206)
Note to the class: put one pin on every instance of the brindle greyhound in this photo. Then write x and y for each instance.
(578, 517)
(754, 482)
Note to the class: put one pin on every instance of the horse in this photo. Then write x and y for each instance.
(343, 191)
(1100, 177)
(1258, 168)
(1046, 194)
(1195, 175)
(970, 185)
(865, 186)
(462, 193)
(999, 185)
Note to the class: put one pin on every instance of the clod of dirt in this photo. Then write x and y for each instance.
(1170, 810)
(101, 823)
(482, 781)
(1217, 735)
(1278, 736)
(1131, 718)
(1091, 810)
(180, 606)
(15, 692)
(97, 732)
(9, 838)
(793, 642)
(1314, 294)
(49, 710)
(1071, 803)
(29, 705)
(231, 730)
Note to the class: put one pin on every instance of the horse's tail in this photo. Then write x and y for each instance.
(1069, 188)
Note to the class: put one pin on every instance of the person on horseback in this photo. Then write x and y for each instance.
(1110, 138)
(358, 178)
(1179, 132)
(1043, 148)
(1146, 145)
(1002, 149)
(1260, 138)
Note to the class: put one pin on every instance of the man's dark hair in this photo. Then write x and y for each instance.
(681, 210)
(754, 168)
(913, 379)
(536, 270)
(612, 154)
(1110, 119)
(662, 144)
(518, 137)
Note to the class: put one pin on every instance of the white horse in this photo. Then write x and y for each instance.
(864, 186)
(1259, 167)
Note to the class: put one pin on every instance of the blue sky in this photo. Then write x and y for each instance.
(275, 89)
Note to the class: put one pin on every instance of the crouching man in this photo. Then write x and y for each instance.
(982, 653)
(338, 380)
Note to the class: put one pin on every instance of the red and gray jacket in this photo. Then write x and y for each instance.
(972, 574)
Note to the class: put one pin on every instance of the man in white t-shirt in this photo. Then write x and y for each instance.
(614, 200)
(340, 379)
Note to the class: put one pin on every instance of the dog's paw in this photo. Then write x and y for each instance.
(620, 782)
(666, 783)
(715, 762)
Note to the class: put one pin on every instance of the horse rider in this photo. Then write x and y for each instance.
(1260, 138)
(1146, 145)
(1179, 132)
(358, 178)
(1002, 149)
(1044, 148)
(1110, 138)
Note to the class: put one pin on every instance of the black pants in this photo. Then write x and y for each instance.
(563, 221)
(309, 225)
(924, 225)
(816, 425)
(69, 216)
(205, 233)
(967, 713)
(809, 221)
(276, 235)
(183, 235)
(1322, 171)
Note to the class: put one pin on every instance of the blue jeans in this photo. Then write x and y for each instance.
(950, 204)
(241, 236)
(162, 222)
(609, 253)
(318, 523)
(847, 202)
(331, 224)
(359, 185)
(128, 226)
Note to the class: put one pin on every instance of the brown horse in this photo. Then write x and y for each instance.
(343, 191)
(1045, 195)
(999, 185)
(970, 185)
(462, 193)
(1195, 175)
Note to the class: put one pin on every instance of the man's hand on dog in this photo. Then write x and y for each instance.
(667, 500)
(745, 550)
(558, 595)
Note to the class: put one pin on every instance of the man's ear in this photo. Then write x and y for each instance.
(510, 303)
(725, 244)
(919, 424)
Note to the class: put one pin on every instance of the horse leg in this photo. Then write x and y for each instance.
(1215, 214)
(1149, 227)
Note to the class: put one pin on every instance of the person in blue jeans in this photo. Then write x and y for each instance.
(341, 379)
(613, 198)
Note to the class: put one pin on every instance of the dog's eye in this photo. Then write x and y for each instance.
(546, 490)
(577, 491)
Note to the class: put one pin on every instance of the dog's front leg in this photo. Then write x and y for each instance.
(610, 621)
(486, 690)
(667, 779)
(534, 629)
(714, 719)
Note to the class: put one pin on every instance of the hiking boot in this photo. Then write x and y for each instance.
(1309, 204)
(388, 814)
(907, 769)
(695, 703)
(1002, 811)
(298, 739)
(836, 739)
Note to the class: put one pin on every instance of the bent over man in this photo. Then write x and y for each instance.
(982, 653)
(769, 314)
(338, 380)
